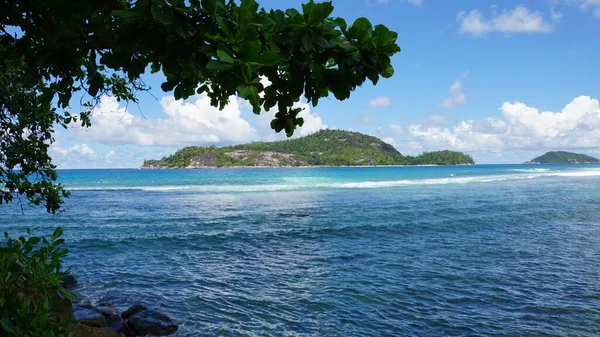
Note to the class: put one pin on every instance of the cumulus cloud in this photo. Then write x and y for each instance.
(81, 150)
(457, 95)
(185, 122)
(518, 20)
(380, 102)
(521, 127)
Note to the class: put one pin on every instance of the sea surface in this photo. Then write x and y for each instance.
(485, 250)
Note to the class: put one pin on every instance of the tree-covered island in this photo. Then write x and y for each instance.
(563, 157)
(323, 148)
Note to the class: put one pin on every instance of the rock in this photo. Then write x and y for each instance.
(205, 160)
(117, 323)
(150, 322)
(108, 311)
(134, 309)
(69, 281)
(89, 315)
(80, 330)
(61, 307)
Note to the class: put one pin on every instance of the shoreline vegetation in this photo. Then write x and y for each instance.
(563, 157)
(325, 148)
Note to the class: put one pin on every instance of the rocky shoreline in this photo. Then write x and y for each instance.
(105, 320)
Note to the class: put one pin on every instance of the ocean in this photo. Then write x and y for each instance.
(484, 250)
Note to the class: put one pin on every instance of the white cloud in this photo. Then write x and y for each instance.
(521, 127)
(190, 122)
(458, 97)
(438, 119)
(185, 122)
(380, 102)
(518, 20)
(109, 156)
(587, 5)
(76, 150)
(396, 129)
(312, 121)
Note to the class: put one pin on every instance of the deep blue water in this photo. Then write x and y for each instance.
(498, 250)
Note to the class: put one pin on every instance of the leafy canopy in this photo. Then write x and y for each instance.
(50, 50)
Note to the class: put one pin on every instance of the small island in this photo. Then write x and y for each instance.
(563, 157)
(323, 148)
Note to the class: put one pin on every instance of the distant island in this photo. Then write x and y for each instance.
(323, 148)
(563, 157)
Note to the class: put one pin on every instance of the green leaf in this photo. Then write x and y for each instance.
(360, 29)
(212, 7)
(164, 16)
(225, 27)
(224, 56)
(340, 22)
(247, 11)
(58, 232)
(250, 93)
(7, 326)
(269, 58)
(250, 50)
(388, 71)
(127, 15)
(218, 65)
(319, 13)
(381, 36)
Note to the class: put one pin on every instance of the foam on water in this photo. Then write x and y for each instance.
(315, 183)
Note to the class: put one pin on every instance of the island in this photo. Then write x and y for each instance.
(563, 157)
(323, 148)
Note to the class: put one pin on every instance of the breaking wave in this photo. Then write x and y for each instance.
(300, 184)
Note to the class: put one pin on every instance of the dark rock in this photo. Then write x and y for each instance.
(80, 330)
(68, 281)
(117, 323)
(150, 322)
(108, 311)
(61, 307)
(134, 309)
(89, 315)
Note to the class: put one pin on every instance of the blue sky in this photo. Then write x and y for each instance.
(503, 81)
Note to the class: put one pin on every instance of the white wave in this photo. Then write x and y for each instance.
(310, 184)
(587, 173)
(532, 170)
(436, 181)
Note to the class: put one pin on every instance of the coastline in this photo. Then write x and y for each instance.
(292, 167)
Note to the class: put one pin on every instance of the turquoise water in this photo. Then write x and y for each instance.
(492, 250)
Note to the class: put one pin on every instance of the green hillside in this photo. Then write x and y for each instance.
(326, 147)
(563, 157)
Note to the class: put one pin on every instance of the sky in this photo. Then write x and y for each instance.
(503, 81)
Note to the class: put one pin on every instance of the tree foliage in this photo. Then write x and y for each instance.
(30, 286)
(444, 157)
(563, 157)
(51, 50)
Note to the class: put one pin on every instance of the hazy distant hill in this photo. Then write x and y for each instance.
(326, 147)
(563, 157)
